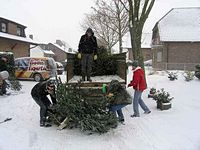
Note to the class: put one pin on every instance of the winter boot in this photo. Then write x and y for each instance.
(147, 112)
(82, 78)
(89, 79)
(42, 123)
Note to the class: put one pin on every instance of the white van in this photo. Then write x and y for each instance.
(39, 69)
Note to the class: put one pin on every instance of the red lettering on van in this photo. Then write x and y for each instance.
(37, 68)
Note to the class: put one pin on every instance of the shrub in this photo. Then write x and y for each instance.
(172, 76)
(189, 75)
(197, 72)
(162, 97)
(152, 90)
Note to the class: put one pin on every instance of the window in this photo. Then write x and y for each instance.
(3, 27)
(22, 64)
(19, 31)
(159, 56)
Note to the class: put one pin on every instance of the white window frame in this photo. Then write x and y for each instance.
(3, 27)
(19, 31)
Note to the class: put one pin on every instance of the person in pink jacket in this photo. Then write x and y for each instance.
(139, 85)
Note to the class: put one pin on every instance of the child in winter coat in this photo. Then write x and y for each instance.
(118, 98)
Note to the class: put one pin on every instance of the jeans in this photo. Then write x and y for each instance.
(118, 109)
(137, 100)
(44, 103)
(86, 63)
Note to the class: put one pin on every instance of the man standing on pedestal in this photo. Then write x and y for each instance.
(87, 52)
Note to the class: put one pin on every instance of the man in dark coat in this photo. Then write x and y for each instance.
(39, 94)
(87, 52)
(3, 67)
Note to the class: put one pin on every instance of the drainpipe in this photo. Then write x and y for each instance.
(13, 46)
(167, 48)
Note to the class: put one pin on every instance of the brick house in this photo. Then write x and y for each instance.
(60, 49)
(176, 40)
(145, 46)
(13, 38)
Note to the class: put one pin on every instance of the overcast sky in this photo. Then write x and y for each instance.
(49, 20)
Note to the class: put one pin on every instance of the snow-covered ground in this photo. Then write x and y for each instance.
(174, 129)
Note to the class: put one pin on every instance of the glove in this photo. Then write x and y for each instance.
(110, 95)
(79, 55)
(95, 57)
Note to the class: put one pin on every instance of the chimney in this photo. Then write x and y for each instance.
(59, 42)
(31, 36)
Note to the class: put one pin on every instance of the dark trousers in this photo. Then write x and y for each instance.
(44, 103)
(3, 88)
(86, 65)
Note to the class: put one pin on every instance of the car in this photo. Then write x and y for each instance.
(60, 68)
(38, 69)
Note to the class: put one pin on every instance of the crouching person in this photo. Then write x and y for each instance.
(118, 98)
(39, 94)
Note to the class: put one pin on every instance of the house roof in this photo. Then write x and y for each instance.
(65, 49)
(38, 48)
(145, 41)
(17, 38)
(180, 24)
(7, 20)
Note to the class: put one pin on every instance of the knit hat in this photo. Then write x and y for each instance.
(4, 75)
(135, 63)
(50, 83)
(114, 86)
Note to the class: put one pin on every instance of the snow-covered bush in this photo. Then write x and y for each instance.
(197, 72)
(161, 96)
(172, 76)
(189, 75)
(152, 92)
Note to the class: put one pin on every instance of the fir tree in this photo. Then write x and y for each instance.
(80, 111)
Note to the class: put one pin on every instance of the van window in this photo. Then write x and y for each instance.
(22, 64)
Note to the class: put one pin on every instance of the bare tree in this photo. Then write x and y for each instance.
(138, 13)
(109, 21)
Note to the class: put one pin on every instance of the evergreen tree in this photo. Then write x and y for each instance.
(104, 65)
(80, 111)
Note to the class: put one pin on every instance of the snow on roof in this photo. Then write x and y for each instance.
(11, 20)
(180, 24)
(145, 41)
(48, 52)
(18, 38)
(40, 49)
(65, 49)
